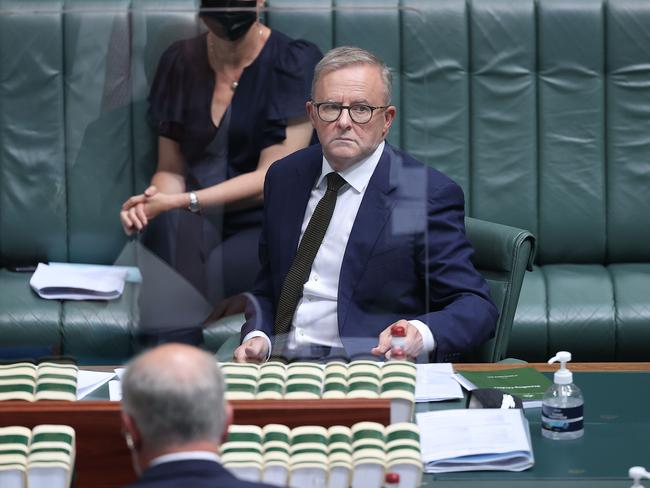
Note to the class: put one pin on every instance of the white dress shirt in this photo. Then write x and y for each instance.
(315, 320)
(184, 456)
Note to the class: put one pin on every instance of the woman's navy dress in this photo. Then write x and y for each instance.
(217, 250)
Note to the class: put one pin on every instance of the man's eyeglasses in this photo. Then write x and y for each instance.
(360, 113)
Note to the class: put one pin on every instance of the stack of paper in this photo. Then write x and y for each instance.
(338, 457)
(39, 458)
(59, 282)
(475, 440)
(89, 381)
(45, 381)
(436, 382)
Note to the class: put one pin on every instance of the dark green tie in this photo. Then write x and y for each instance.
(301, 266)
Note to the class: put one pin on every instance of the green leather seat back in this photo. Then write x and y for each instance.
(540, 109)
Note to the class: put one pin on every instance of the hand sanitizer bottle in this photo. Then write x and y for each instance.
(562, 405)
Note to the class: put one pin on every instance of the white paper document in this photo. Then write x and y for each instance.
(488, 439)
(133, 274)
(115, 390)
(78, 283)
(435, 382)
(89, 381)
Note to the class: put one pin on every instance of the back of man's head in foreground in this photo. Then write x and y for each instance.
(172, 397)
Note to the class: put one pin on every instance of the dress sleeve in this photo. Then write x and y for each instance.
(291, 88)
(166, 95)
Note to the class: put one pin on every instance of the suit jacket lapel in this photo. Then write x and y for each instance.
(374, 211)
(297, 191)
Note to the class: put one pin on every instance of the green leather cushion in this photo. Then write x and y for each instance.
(100, 332)
(25, 318)
(599, 313)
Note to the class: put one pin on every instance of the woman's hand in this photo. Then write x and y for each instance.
(139, 209)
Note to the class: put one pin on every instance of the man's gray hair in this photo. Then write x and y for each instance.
(175, 405)
(344, 56)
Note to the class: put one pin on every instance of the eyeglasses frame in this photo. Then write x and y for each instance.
(372, 108)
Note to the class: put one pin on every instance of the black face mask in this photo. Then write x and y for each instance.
(229, 25)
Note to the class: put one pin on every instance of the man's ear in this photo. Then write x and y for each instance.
(227, 423)
(131, 432)
(311, 111)
(389, 116)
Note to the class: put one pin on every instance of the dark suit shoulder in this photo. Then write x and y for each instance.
(194, 473)
(411, 173)
(296, 161)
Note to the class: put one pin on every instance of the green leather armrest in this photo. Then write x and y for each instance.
(222, 336)
(502, 256)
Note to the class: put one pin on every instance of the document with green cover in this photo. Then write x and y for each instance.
(527, 383)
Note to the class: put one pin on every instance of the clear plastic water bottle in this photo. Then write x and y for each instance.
(563, 404)
(397, 343)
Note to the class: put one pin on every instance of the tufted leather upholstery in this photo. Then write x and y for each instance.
(539, 109)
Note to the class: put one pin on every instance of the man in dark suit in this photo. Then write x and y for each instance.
(174, 417)
(392, 246)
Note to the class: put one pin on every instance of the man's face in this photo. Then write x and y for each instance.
(344, 141)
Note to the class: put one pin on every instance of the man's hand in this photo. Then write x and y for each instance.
(254, 350)
(413, 344)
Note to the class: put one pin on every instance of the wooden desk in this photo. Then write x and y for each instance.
(104, 461)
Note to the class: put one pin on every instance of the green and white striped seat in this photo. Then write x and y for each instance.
(14, 448)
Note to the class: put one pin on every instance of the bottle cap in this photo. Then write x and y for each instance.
(392, 478)
(398, 330)
(562, 376)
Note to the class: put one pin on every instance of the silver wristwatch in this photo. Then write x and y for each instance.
(194, 206)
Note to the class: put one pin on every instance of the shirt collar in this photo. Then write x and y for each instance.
(184, 456)
(358, 175)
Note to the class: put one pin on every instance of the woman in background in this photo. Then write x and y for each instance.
(226, 105)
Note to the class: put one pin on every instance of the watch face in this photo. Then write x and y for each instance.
(194, 203)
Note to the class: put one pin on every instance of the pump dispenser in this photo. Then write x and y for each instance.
(562, 376)
(563, 404)
(637, 473)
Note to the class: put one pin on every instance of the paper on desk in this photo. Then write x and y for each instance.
(488, 439)
(132, 273)
(89, 381)
(115, 390)
(72, 283)
(435, 382)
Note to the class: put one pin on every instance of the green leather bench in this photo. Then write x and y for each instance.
(539, 109)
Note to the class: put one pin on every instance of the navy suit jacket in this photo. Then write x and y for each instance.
(407, 256)
(196, 473)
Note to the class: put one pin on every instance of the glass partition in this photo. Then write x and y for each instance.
(98, 97)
